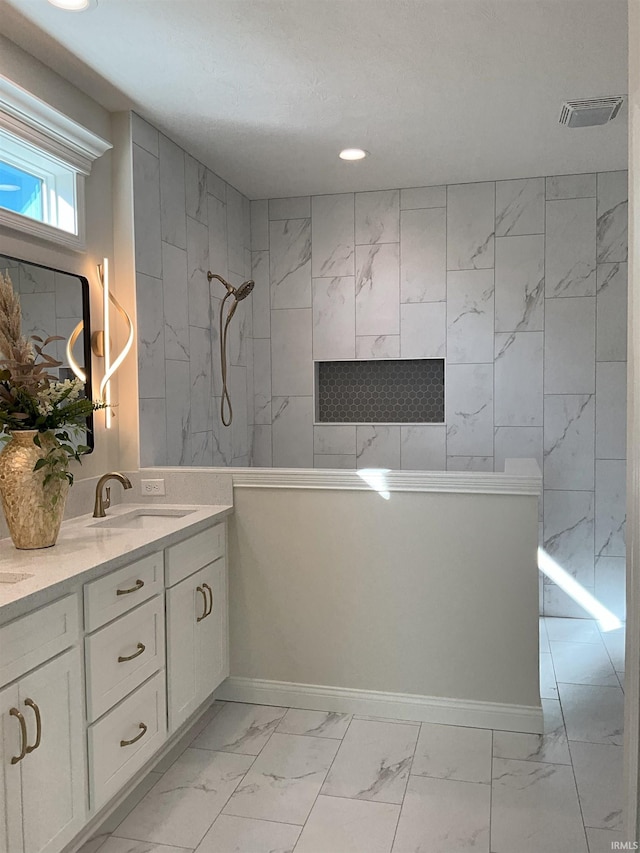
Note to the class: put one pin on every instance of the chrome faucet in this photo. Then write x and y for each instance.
(104, 503)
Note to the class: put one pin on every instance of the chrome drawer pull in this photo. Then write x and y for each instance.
(136, 738)
(210, 591)
(206, 605)
(141, 647)
(23, 736)
(31, 704)
(139, 585)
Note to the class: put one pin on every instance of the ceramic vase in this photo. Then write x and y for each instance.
(33, 511)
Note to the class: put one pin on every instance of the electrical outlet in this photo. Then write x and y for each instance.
(152, 487)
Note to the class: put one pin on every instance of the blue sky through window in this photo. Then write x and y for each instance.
(20, 191)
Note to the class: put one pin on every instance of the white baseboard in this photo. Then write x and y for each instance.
(401, 706)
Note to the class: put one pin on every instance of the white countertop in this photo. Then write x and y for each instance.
(85, 550)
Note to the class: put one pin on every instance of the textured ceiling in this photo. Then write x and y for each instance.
(266, 92)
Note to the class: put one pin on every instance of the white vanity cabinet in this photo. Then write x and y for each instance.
(197, 632)
(43, 777)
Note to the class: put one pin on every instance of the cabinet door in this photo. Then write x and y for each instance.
(212, 659)
(186, 602)
(54, 783)
(10, 747)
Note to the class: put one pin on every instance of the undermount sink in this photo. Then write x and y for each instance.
(142, 519)
(14, 577)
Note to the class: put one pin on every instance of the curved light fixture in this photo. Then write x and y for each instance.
(352, 154)
(110, 366)
(73, 364)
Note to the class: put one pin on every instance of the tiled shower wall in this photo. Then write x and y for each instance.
(188, 221)
(520, 285)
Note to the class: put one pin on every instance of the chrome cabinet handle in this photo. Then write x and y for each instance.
(23, 736)
(136, 738)
(31, 704)
(205, 613)
(139, 585)
(141, 647)
(208, 588)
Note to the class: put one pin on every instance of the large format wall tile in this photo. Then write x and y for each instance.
(261, 452)
(519, 284)
(292, 432)
(570, 247)
(332, 235)
(144, 134)
(201, 383)
(571, 186)
(290, 258)
(378, 346)
(377, 290)
(377, 217)
(469, 404)
(518, 378)
(470, 226)
(611, 317)
(176, 303)
(178, 413)
(153, 432)
(423, 448)
(261, 296)
(610, 507)
(195, 179)
(520, 207)
(146, 194)
(262, 381)
(568, 532)
(470, 320)
(470, 463)
(569, 431)
(334, 318)
(172, 194)
(612, 217)
(423, 255)
(197, 266)
(423, 330)
(218, 255)
(291, 360)
(334, 440)
(611, 409)
(569, 342)
(235, 231)
(416, 198)
(150, 311)
(290, 208)
(517, 443)
(378, 447)
(260, 225)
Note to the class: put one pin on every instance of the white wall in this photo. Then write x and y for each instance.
(520, 285)
(188, 221)
(424, 593)
(36, 78)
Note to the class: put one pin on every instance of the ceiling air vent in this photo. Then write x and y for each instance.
(590, 112)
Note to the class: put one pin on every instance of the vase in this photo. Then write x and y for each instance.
(33, 511)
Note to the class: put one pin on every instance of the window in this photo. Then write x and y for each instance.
(44, 159)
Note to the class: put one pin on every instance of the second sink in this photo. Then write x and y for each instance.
(143, 519)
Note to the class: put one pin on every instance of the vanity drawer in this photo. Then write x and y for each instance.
(32, 639)
(187, 557)
(126, 738)
(111, 596)
(122, 655)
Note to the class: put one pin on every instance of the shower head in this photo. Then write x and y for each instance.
(240, 292)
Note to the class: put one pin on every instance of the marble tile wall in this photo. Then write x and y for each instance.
(187, 221)
(520, 285)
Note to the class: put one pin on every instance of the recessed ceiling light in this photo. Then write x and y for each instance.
(73, 5)
(353, 154)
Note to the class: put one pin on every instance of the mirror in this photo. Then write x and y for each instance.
(54, 302)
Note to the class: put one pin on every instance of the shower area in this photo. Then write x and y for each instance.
(518, 288)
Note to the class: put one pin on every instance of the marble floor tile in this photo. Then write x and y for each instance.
(124, 845)
(115, 819)
(192, 733)
(93, 844)
(453, 752)
(240, 728)
(285, 780)
(548, 748)
(548, 688)
(600, 840)
(183, 804)
(614, 643)
(373, 762)
(443, 816)
(545, 648)
(598, 772)
(583, 663)
(535, 808)
(243, 835)
(592, 714)
(349, 826)
(560, 630)
(314, 723)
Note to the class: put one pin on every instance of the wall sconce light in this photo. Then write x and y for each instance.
(101, 342)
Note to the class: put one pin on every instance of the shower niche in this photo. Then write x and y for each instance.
(379, 391)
